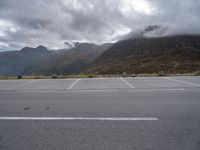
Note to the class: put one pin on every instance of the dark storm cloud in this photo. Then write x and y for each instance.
(53, 22)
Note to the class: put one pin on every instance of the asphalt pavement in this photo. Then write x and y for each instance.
(154, 113)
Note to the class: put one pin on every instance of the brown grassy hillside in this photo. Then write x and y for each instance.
(177, 54)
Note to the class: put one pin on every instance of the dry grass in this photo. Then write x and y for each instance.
(197, 73)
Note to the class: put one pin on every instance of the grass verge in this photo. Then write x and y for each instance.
(95, 76)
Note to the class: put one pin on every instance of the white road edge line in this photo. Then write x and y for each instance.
(130, 85)
(82, 91)
(194, 84)
(73, 84)
(180, 89)
(26, 83)
(96, 90)
(97, 78)
(83, 118)
(37, 91)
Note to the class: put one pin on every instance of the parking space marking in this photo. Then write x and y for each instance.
(26, 83)
(98, 78)
(80, 118)
(194, 84)
(63, 91)
(93, 90)
(127, 83)
(73, 84)
(37, 91)
(165, 89)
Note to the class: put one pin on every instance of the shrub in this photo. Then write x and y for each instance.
(161, 73)
(124, 74)
(90, 76)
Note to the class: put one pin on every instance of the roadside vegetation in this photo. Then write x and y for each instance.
(124, 74)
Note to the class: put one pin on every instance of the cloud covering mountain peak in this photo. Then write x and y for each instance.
(52, 22)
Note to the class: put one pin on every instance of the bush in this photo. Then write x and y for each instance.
(90, 76)
(124, 74)
(161, 73)
(133, 75)
(197, 73)
(54, 76)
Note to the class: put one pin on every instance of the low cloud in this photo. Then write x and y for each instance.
(53, 22)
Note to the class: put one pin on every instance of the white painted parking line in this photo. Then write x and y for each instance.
(82, 118)
(194, 84)
(130, 85)
(73, 84)
(37, 91)
(96, 90)
(155, 90)
(98, 78)
(62, 91)
(26, 83)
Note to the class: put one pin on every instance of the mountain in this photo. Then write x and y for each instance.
(137, 55)
(41, 61)
(14, 62)
(174, 54)
(69, 61)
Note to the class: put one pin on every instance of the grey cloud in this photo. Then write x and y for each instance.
(34, 23)
(52, 22)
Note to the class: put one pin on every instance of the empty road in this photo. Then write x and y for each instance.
(155, 113)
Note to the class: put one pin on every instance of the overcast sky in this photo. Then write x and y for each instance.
(52, 22)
